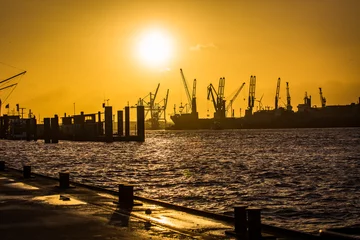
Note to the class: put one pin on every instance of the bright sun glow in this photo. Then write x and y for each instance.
(154, 48)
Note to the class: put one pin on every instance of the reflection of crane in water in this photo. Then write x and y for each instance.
(4, 85)
(157, 110)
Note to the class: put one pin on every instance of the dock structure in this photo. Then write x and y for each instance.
(30, 203)
(82, 127)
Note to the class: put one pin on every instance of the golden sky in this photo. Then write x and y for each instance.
(85, 51)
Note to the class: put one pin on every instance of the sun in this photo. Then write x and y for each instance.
(154, 48)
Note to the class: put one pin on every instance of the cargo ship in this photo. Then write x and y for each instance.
(307, 116)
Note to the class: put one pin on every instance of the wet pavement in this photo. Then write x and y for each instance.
(36, 208)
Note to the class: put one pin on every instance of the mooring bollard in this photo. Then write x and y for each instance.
(254, 223)
(27, 171)
(64, 180)
(2, 165)
(126, 195)
(240, 221)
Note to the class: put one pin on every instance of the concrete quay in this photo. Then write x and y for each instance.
(36, 207)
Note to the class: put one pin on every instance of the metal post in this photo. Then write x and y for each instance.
(126, 195)
(64, 181)
(240, 221)
(27, 171)
(2, 165)
(254, 223)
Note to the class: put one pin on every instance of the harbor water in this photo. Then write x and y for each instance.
(304, 179)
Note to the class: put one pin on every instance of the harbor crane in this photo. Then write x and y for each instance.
(277, 94)
(322, 98)
(191, 98)
(251, 99)
(3, 87)
(229, 106)
(157, 110)
(219, 102)
(288, 98)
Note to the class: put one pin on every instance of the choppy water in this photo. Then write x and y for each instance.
(305, 179)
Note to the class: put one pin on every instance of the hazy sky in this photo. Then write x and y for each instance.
(85, 51)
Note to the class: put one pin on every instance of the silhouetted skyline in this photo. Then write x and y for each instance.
(85, 52)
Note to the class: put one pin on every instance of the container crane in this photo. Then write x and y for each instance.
(277, 94)
(288, 98)
(233, 99)
(219, 102)
(322, 98)
(186, 88)
(251, 99)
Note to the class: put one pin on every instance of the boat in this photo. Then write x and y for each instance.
(305, 117)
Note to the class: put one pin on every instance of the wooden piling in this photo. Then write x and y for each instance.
(108, 124)
(47, 130)
(120, 119)
(140, 122)
(55, 131)
(127, 121)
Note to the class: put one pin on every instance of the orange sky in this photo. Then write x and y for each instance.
(86, 51)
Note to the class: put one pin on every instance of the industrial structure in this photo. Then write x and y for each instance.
(156, 110)
(307, 115)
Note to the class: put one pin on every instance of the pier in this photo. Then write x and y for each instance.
(82, 127)
(58, 208)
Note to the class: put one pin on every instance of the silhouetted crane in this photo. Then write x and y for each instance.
(322, 98)
(233, 99)
(288, 98)
(277, 94)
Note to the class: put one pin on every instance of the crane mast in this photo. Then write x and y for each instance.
(288, 98)
(322, 98)
(218, 102)
(251, 99)
(277, 94)
(186, 88)
(193, 99)
(233, 99)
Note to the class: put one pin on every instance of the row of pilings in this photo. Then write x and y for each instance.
(83, 127)
(52, 132)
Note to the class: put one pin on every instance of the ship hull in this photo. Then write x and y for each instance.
(332, 116)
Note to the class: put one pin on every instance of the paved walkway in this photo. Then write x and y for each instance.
(36, 208)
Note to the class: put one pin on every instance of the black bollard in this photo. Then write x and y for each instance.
(240, 221)
(126, 195)
(2, 165)
(64, 180)
(254, 223)
(27, 171)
